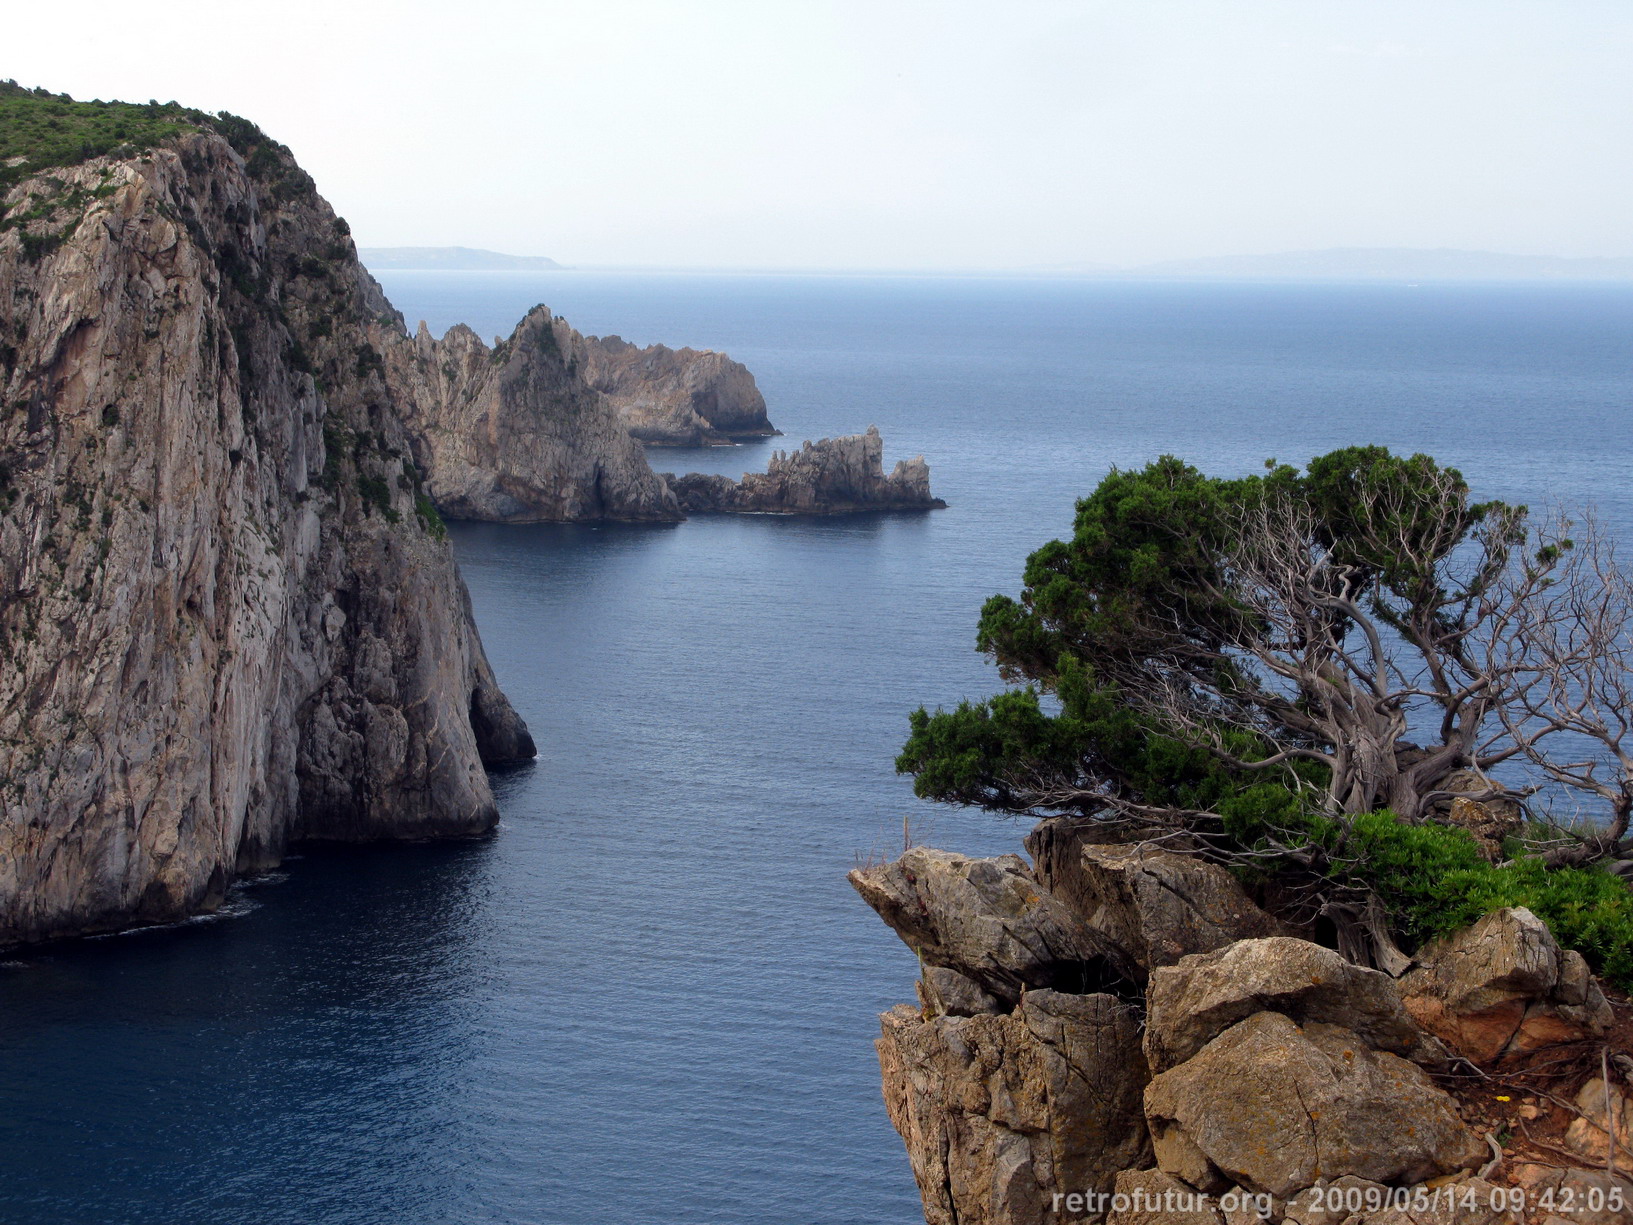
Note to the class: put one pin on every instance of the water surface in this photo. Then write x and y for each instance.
(650, 998)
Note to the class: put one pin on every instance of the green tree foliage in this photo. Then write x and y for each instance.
(1295, 670)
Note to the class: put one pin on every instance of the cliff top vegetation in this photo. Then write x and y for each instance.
(1309, 676)
(40, 130)
(46, 130)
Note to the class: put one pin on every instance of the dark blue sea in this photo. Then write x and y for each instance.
(649, 999)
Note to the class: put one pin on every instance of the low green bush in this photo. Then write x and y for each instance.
(1433, 881)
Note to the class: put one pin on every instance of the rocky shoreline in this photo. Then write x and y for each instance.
(224, 462)
(1119, 1033)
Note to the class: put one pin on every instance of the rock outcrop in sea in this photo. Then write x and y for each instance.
(676, 397)
(230, 617)
(515, 434)
(833, 476)
(1118, 1033)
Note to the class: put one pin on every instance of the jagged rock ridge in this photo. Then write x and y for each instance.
(676, 397)
(514, 434)
(231, 620)
(835, 475)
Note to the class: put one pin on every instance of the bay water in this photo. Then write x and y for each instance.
(649, 998)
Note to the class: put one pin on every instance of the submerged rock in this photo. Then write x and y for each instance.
(676, 397)
(833, 476)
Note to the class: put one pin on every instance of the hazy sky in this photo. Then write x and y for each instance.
(905, 134)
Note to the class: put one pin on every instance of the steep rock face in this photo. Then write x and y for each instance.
(1269, 1070)
(833, 476)
(515, 434)
(1004, 1113)
(676, 397)
(229, 619)
(1158, 905)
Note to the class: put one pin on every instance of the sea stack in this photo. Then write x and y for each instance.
(833, 476)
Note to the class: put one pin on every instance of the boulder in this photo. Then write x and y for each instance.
(1194, 1001)
(1000, 1113)
(1504, 986)
(1604, 1111)
(1157, 904)
(947, 993)
(1586, 1197)
(1155, 1197)
(1274, 1107)
(989, 920)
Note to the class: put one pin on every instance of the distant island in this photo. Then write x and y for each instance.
(453, 259)
(1394, 264)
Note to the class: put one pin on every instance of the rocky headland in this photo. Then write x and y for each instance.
(515, 434)
(833, 476)
(1117, 1032)
(231, 619)
(676, 397)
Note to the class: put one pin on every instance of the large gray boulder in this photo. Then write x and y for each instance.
(1205, 994)
(1157, 904)
(1273, 1107)
(1503, 986)
(1000, 1113)
(989, 920)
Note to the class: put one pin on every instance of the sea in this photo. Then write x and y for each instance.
(650, 997)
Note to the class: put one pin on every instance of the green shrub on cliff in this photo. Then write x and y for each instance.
(1298, 671)
(40, 130)
(47, 130)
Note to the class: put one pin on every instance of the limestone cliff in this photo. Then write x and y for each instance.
(229, 617)
(833, 476)
(515, 434)
(676, 397)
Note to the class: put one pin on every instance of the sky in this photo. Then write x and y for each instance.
(905, 134)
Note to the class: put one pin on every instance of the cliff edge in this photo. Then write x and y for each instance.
(231, 617)
(1117, 1033)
